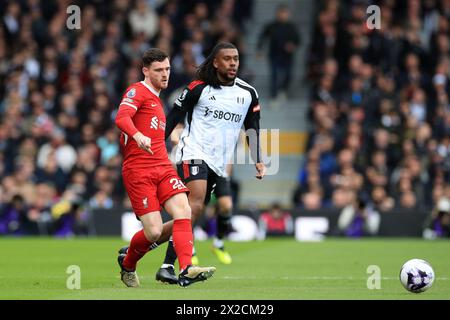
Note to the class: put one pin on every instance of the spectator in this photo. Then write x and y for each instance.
(144, 20)
(11, 21)
(381, 200)
(60, 91)
(12, 216)
(276, 222)
(358, 219)
(64, 154)
(312, 200)
(437, 224)
(408, 200)
(70, 218)
(283, 40)
(109, 146)
(52, 173)
(383, 96)
(102, 198)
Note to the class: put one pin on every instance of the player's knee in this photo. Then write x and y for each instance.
(182, 210)
(153, 233)
(225, 209)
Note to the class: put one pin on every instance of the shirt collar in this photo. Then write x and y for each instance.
(230, 85)
(156, 93)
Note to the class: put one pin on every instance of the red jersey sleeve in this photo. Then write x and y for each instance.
(131, 102)
(131, 98)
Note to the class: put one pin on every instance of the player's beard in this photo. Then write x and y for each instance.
(165, 84)
(226, 77)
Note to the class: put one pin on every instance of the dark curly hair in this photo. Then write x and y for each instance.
(206, 71)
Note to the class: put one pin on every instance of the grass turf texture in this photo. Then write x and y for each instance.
(35, 268)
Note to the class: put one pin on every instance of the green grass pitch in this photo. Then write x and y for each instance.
(35, 268)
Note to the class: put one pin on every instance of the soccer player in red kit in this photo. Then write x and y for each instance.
(149, 178)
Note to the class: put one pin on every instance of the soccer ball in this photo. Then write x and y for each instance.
(416, 275)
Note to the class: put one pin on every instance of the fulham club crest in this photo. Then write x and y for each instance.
(194, 170)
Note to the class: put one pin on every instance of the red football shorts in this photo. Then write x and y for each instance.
(150, 188)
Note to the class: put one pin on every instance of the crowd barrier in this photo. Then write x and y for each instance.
(309, 225)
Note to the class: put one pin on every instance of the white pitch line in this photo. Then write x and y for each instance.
(319, 278)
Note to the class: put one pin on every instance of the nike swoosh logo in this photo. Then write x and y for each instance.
(153, 104)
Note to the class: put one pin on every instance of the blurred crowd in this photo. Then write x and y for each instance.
(60, 88)
(379, 107)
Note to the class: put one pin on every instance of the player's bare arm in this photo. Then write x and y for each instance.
(252, 126)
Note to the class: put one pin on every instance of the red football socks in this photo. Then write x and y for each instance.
(183, 241)
(139, 246)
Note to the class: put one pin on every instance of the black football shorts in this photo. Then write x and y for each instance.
(191, 170)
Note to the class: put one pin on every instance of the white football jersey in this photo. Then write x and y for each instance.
(214, 120)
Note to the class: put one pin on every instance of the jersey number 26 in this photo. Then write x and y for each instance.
(177, 184)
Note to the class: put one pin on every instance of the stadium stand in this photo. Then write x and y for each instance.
(60, 88)
(379, 107)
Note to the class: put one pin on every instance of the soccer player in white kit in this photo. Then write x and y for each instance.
(214, 108)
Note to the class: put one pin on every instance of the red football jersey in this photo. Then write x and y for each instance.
(149, 118)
